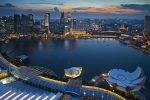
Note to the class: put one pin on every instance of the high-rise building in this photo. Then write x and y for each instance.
(69, 21)
(30, 22)
(74, 25)
(47, 22)
(147, 25)
(68, 17)
(9, 25)
(37, 26)
(17, 23)
(2, 26)
(24, 24)
(56, 27)
(62, 23)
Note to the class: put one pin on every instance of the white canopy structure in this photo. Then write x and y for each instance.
(123, 79)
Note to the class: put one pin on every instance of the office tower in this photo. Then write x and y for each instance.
(147, 25)
(56, 27)
(30, 22)
(24, 24)
(62, 23)
(2, 26)
(74, 23)
(69, 21)
(68, 17)
(9, 25)
(47, 22)
(17, 23)
(37, 26)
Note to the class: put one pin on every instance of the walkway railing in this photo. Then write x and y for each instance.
(9, 65)
(88, 87)
(104, 91)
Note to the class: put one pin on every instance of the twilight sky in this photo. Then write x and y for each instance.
(80, 8)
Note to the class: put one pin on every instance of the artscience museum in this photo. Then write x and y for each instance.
(125, 81)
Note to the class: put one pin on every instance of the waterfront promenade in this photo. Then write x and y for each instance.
(5, 64)
(84, 90)
(87, 91)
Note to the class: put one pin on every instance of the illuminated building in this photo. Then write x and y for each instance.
(69, 17)
(62, 23)
(2, 26)
(74, 22)
(122, 28)
(136, 28)
(69, 21)
(126, 81)
(37, 26)
(73, 72)
(17, 23)
(56, 26)
(24, 23)
(30, 22)
(47, 22)
(9, 24)
(147, 25)
(146, 32)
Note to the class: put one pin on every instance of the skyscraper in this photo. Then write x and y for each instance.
(17, 23)
(147, 25)
(74, 25)
(9, 24)
(47, 22)
(24, 24)
(69, 21)
(62, 23)
(56, 26)
(37, 26)
(30, 22)
(68, 17)
(2, 26)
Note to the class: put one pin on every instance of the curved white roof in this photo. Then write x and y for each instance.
(136, 74)
(125, 79)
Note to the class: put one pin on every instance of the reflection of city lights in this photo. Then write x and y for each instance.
(66, 43)
(84, 93)
(93, 94)
(40, 45)
(102, 96)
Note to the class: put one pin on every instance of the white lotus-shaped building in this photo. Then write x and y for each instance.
(124, 80)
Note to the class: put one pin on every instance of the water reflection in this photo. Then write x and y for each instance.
(96, 56)
(70, 44)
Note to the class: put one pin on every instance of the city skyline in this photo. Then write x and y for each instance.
(90, 8)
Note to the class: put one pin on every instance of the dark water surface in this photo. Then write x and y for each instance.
(96, 56)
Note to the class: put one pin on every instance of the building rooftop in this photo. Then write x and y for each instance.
(23, 57)
(124, 79)
(73, 72)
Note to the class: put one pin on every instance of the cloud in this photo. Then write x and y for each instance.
(82, 8)
(140, 7)
(58, 4)
(8, 5)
